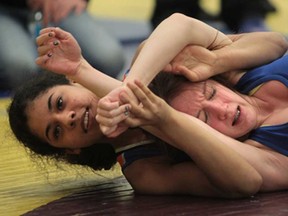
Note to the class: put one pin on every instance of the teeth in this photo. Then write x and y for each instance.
(236, 116)
(86, 120)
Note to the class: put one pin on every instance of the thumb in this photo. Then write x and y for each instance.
(188, 73)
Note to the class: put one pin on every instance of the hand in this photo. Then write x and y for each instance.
(152, 110)
(58, 51)
(111, 112)
(56, 10)
(193, 62)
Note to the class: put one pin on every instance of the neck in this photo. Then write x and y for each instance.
(263, 109)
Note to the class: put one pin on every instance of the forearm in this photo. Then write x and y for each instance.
(167, 40)
(250, 50)
(94, 80)
(208, 149)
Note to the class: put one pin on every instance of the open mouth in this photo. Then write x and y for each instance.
(237, 115)
(86, 120)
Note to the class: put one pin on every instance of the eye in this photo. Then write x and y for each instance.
(57, 132)
(210, 92)
(59, 103)
(202, 115)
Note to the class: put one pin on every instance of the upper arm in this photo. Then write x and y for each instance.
(157, 177)
(150, 176)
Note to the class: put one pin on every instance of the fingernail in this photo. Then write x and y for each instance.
(126, 113)
(56, 42)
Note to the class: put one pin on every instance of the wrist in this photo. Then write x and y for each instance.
(222, 61)
(80, 69)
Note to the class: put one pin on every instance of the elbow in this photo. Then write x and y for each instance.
(178, 17)
(280, 42)
(181, 20)
(245, 188)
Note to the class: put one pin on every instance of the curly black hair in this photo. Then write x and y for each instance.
(98, 156)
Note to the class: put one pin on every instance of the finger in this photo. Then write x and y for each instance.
(121, 111)
(61, 34)
(43, 38)
(41, 61)
(107, 130)
(146, 92)
(133, 122)
(80, 9)
(46, 17)
(45, 49)
(137, 110)
(137, 91)
(112, 121)
(189, 74)
(47, 30)
(117, 132)
(106, 103)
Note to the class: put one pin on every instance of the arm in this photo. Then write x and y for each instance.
(57, 10)
(59, 52)
(251, 50)
(174, 34)
(216, 161)
(166, 41)
(216, 156)
(246, 51)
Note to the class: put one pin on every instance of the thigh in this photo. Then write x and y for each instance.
(100, 48)
(18, 52)
(15, 40)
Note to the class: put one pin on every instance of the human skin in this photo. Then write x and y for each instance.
(155, 175)
(55, 11)
(58, 117)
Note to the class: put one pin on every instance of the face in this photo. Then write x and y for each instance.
(64, 116)
(218, 106)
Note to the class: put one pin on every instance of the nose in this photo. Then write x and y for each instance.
(218, 109)
(68, 119)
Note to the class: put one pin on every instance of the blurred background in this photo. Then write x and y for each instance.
(142, 10)
(26, 184)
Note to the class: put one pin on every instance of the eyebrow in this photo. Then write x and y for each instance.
(204, 87)
(49, 104)
(204, 92)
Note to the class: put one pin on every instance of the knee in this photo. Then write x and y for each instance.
(14, 73)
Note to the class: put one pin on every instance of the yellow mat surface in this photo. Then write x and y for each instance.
(27, 184)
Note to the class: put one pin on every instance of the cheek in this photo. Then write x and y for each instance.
(217, 125)
(185, 108)
(185, 104)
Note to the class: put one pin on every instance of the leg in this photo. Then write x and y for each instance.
(100, 49)
(18, 52)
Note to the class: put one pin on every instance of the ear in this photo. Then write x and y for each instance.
(73, 151)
